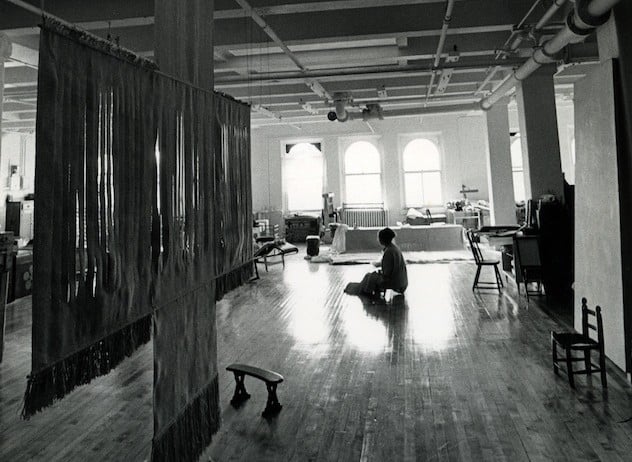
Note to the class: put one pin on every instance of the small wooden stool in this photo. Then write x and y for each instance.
(271, 379)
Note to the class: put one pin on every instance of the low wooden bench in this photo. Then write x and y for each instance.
(272, 379)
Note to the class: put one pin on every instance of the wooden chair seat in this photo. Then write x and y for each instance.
(573, 340)
(489, 262)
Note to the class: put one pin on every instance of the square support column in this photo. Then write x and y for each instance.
(499, 174)
(184, 40)
(537, 117)
(5, 52)
(603, 193)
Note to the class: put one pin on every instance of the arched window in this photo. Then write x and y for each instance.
(363, 175)
(303, 177)
(517, 170)
(422, 173)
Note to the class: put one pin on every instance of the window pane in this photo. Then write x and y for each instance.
(362, 157)
(304, 150)
(304, 194)
(413, 189)
(432, 188)
(421, 154)
(516, 154)
(518, 184)
(363, 189)
(303, 177)
(307, 167)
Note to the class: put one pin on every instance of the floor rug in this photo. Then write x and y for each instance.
(411, 257)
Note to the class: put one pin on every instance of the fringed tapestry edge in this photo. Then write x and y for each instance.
(235, 278)
(56, 381)
(192, 431)
(97, 43)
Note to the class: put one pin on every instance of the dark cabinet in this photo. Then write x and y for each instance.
(19, 219)
(299, 227)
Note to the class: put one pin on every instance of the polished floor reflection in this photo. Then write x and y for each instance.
(445, 374)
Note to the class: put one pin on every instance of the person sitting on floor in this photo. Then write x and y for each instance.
(393, 274)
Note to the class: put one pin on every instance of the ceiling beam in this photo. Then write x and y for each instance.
(313, 7)
(313, 84)
(467, 45)
(403, 20)
(24, 56)
(341, 73)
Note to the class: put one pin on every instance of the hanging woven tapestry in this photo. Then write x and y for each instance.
(95, 144)
(144, 212)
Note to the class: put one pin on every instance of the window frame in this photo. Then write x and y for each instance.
(517, 139)
(344, 143)
(283, 154)
(403, 141)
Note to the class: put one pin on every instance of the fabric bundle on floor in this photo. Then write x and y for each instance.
(421, 257)
(143, 213)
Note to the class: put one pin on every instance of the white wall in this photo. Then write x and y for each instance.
(462, 140)
(598, 262)
(566, 134)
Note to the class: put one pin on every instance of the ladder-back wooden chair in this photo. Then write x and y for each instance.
(528, 264)
(481, 262)
(574, 341)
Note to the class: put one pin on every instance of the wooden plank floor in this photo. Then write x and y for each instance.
(448, 375)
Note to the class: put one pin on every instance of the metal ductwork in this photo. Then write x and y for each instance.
(341, 101)
(586, 16)
(519, 35)
(444, 32)
(375, 112)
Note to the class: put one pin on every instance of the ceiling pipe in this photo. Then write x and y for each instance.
(517, 30)
(586, 16)
(490, 75)
(520, 36)
(431, 110)
(517, 36)
(341, 113)
(361, 70)
(444, 32)
(557, 4)
(375, 112)
(265, 27)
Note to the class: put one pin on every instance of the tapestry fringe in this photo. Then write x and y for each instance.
(189, 435)
(232, 280)
(97, 43)
(53, 383)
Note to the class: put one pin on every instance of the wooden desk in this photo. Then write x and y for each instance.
(504, 243)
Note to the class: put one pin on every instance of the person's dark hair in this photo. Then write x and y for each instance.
(386, 236)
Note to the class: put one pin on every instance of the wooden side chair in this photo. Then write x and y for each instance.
(481, 261)
(528, 264)
(574, 341)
